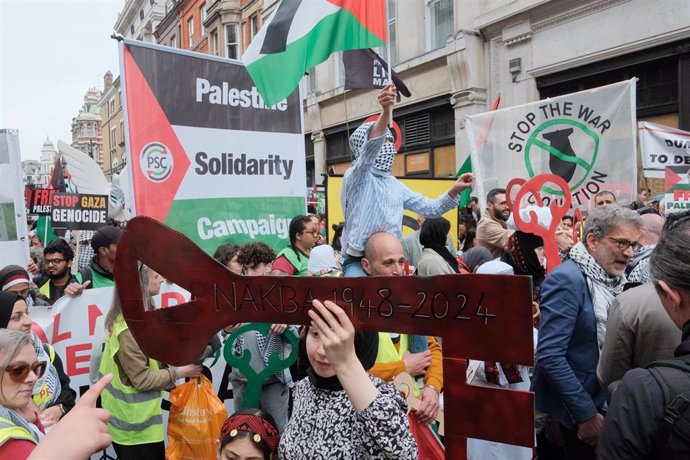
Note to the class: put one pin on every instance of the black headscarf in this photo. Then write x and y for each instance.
(476, 256)
(433, 235)
(366, 349)
(519, 253)
(7, 301)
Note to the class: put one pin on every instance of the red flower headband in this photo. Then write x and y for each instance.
(260, 428)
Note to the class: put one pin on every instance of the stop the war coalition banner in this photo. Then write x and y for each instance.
(208, 157)
(586, 138)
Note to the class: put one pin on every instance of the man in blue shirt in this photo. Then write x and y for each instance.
(372, 199)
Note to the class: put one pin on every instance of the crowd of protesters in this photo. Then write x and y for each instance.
(603, 321)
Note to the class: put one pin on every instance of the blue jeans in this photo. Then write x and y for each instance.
(352, 268)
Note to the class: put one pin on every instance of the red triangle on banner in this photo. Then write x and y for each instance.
(671, 179)
(156, 175)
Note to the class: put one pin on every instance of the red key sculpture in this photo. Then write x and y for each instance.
(533, 187)
(484, 317)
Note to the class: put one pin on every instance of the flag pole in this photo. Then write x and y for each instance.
(388, 61)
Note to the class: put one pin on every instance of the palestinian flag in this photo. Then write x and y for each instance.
(301, 34)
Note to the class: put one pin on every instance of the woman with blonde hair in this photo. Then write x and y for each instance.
(135, 393)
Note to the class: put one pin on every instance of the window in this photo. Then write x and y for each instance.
(190, 30)
(392, 37)
(113, 137)
(122, 130)
(214, 43)
(173, 41)
(339, 69)
(232, 44)
(202, 13)
(141, 15)
(440, 22)
(131, 30)
(111, 108)
(311, 80)
(254, 25)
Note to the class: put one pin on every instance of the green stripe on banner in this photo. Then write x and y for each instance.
(210, 222)
(465, 195)
(44, 230)
(277, 75)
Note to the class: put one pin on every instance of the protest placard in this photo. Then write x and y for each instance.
(208, 157)
(586, 138)
(76, 211)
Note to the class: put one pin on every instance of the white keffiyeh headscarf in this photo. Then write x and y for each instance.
(385, 156)
(602, 287)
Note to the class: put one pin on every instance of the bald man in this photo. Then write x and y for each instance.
(383, 256)
(638, 268)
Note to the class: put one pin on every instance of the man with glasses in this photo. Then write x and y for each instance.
(58, 256)
(575, 299)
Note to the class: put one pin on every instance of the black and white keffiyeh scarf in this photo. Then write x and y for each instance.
(602, 287)
(385, 156)
(638, 268)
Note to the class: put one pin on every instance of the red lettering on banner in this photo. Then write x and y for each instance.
(167, 297)
(38, 330)
(57, 337)
(94, 313)
(679, 195)
(73, 359)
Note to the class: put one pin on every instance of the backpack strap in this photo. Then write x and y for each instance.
(673, 376)
(83, 275)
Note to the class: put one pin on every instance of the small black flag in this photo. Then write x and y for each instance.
(366, 69)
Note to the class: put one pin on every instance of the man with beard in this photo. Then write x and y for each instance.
(59, 280)
(492, 231)
(575, 300)
(104, 244)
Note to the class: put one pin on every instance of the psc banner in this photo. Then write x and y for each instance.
(663, 146)
(208, 157)
(77, 211)
(586, 138)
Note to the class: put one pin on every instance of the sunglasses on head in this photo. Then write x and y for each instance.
(18, 372)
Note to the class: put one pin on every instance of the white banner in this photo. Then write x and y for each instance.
(14, 243)
(663, 146)
(586, 138)
(71, 326)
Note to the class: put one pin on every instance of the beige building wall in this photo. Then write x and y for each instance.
(112, 127)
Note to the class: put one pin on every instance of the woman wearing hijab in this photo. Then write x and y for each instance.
(52, 396)
(436, 259)
(340, 411)
(323, 261)
(525, 253)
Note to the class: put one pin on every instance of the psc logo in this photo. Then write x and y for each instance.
(156, 162)
(570, 147)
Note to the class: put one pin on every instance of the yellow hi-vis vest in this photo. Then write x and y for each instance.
(10, 430)
(135, 416)
(387, 352)
(43, 397)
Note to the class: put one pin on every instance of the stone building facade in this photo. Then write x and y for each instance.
(86, 127)
(112, 126)
(456, 56)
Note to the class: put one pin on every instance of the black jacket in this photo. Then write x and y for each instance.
(636, 414)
